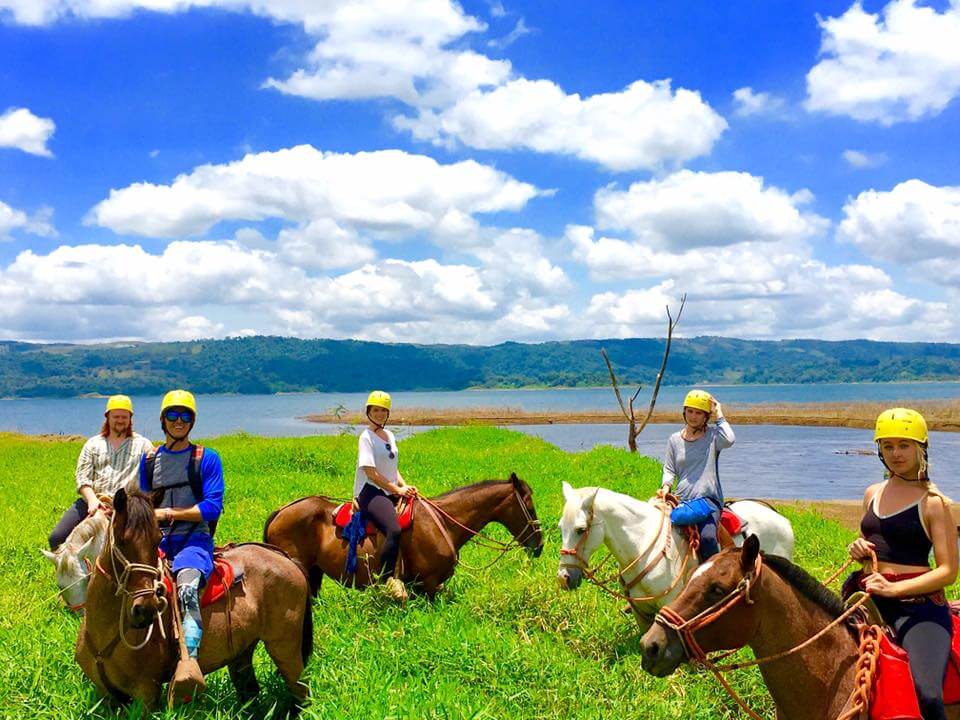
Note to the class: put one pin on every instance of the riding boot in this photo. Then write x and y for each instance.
(187, 682)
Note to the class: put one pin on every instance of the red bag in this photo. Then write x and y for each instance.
(893, 696)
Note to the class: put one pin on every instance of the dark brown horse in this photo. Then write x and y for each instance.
(779, 607)
(428, 550)
(126, 644)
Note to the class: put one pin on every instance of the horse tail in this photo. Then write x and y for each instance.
(266, 525)
(306, 639)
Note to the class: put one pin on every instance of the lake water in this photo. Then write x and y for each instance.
(767, 461)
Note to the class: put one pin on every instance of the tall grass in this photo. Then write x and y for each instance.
(501, 644)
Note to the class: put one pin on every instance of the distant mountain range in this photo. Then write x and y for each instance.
(276, 364)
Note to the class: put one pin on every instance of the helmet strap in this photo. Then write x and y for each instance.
(374, 422)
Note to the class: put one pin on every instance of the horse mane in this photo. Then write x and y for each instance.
(807, 585)
(89, 527)
(476, 486)
(140, 516)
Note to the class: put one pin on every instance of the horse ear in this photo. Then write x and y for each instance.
(49, 556)
(749, 553)
(120, 502)
(84, 549)
(568, 492)
(514, 479)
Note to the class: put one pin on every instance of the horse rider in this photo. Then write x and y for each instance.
(692, 457)
(186, 483)
(107, 462)
(904, 517)
(378, 487)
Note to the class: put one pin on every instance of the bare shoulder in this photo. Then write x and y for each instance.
(870, 492)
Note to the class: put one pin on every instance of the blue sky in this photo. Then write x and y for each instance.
(430, 171)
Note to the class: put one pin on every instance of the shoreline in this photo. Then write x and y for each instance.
(941, 415)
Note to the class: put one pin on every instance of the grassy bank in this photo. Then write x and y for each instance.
(501, 644)
(940, 415)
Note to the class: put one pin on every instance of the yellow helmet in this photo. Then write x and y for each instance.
(119, 402)
(178, 398)
(699, 399)
(901, 423)
(378, 398)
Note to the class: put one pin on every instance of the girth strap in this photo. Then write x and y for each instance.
(100, 657)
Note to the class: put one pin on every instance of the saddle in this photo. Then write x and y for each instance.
(893, 696)
(343, 514)
(733, 523)
(223, 577)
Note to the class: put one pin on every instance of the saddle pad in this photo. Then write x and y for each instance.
(893, 696)
(222, 577)
(343, 513)
(731, 521)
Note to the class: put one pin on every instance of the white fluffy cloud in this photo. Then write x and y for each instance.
(414, 51)
(642, 127)
(901, 66)
(748, 102)
(913, 222)
(21, 129)
(385, 191)
(12, 219)
(699, 209)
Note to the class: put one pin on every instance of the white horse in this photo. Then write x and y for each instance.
(74, 557)
(654, 557)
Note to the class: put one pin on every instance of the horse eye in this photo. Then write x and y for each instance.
(579, 530)
(715, 589)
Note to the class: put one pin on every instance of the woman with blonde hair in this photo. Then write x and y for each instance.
(905, 517)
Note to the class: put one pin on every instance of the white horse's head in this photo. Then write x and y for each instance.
(582, 532)
(75, 557)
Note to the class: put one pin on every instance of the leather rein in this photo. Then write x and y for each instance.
(573, 557)
(530, 529)
(671, 620)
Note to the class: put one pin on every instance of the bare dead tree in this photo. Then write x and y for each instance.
(627, 409)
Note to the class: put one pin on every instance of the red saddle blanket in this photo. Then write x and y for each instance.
(731, 521)
(893, 696)
(343, 513)
(222, 577)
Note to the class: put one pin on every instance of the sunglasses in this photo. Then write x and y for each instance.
(174, 415)
(390, 453)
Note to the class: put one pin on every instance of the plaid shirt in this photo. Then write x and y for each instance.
(106, 469)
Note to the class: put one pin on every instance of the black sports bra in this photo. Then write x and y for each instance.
(899, 538)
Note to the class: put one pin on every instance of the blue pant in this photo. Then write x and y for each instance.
(195, 551)
(705, 514)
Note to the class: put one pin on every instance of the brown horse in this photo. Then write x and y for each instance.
(428, 550)
(779, 607)
(126, 643)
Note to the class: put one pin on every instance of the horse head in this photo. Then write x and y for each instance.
(73, 571)
(520, 518)
(581, 529)
(133, 556)
(715, 611)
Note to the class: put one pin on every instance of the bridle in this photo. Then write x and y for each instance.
(122, 577)
(531, 528)
(576, 559)
(670, 619)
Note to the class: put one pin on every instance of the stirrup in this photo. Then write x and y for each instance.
(187, 682)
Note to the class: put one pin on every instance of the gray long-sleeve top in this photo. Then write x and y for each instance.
(694, 462)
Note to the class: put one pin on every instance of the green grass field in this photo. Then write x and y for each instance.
(505, 643)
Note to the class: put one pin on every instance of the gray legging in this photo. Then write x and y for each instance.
(73, 516)
(924, 630)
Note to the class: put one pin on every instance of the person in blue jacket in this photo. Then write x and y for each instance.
(186, 483)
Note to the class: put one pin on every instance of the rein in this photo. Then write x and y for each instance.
(685, 629)
(693, 543)
(481, 539)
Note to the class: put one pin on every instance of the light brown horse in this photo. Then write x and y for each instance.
(428, 550)
(126, 643)
(779, 607)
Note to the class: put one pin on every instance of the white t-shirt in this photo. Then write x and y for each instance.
(374, 452)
